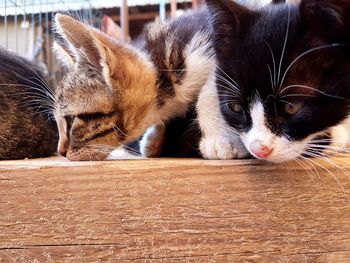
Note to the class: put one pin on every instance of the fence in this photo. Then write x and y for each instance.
(25, 28)
(25, 25)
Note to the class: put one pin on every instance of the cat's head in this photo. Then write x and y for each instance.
(283, 74)
(108, 95)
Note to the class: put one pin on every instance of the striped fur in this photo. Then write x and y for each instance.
(26, 130)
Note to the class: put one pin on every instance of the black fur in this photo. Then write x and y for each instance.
(25, 130)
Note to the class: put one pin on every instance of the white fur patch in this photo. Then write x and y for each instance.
(122, 154)
(284, 149)
(199, 65)
(256, 4)
(219, 140)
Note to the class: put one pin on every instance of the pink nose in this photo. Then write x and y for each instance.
(260, 150)
(63, 147)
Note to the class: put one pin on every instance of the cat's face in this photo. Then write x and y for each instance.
(107, 98)
(284, 74)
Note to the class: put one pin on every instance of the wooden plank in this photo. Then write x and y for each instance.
(173, 211)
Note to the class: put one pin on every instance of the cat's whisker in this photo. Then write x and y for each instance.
(307, 168)
(328, 147)
(46, 94)
(228, 90)
(313, 89)
(39, 78)
(29, 95)
(329, 161)
(284, 48)
(33, 97)
(228, 95)
(273, 79)
(227, 81)
(297, 95)
(226, 85)
(232, 80)
(40, 84)
(322, 166)
(330, 152)
(316, 172)
(229, 99)
(334, 45)
(116, 127)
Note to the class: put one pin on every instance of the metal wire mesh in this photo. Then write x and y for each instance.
(25, 28)
(25, 25)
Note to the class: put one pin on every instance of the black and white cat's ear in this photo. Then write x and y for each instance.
(228, 19)
(81, 43)
(329, 19)
(228, 14)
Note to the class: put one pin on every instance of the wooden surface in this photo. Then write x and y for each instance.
(173, 211)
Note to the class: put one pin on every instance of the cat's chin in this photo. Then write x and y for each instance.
(86, 155)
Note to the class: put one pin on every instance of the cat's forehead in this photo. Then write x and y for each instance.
(79, 94)
(272, 27)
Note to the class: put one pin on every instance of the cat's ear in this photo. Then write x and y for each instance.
(228, 19)
(64, 55)
(85, 44)
(329, 19)
(228, 14)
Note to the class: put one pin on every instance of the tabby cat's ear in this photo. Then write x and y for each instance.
(329, 19)
(83, 44)
(229, 20)
(64, 55)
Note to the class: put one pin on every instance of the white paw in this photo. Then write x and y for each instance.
(221, 148)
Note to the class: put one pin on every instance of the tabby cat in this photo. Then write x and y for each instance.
(26, 130)
(115, 91)
(281, 89)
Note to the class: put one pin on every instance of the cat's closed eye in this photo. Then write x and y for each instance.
(69, 119)
(95, 116)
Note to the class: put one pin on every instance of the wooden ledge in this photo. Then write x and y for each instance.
(174, 210)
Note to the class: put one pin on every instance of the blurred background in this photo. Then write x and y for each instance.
(25, 25)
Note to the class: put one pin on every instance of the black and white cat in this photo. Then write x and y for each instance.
(282, 85)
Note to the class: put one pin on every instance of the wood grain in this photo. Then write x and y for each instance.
(174, 211)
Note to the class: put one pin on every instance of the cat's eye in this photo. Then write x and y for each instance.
(292, 108)
(235, 107)
(69, 119)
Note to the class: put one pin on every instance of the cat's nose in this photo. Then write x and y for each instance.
(62, 149)
(63, 145)
(260, 150)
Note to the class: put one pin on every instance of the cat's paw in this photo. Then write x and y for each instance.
(152, 141)
(221, 148)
